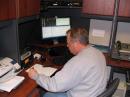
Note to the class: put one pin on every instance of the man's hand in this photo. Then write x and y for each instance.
(32, 73)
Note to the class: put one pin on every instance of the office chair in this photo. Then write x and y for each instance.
(110, 89)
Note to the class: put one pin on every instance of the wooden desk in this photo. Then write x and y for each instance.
(28, 88)
(120, 66)
(39, 45)
(117, 63)
(23, 90)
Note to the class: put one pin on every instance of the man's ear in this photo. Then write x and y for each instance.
(76, 43)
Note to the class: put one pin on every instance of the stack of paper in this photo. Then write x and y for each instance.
(48, 71)
(11, 84)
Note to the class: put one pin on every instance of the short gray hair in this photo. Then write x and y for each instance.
(80, 34)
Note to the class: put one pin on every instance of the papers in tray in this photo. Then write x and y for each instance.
(11, 84)
(48, 71)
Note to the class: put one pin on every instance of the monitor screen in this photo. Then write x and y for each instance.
(54, 28)
(62, 21)
(54, 31)
(100, 32)
(123, 32)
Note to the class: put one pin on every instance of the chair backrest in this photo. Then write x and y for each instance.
(110, 89)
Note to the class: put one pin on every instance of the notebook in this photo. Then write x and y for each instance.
(48, 71)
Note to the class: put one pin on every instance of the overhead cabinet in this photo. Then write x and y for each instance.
(124, 8)
(28, 7)
(12, 9)
(7, 9)
(106, 7)
(98, 7)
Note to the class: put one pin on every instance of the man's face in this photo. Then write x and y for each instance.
(71, 44)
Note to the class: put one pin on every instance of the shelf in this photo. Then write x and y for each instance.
(47, 46)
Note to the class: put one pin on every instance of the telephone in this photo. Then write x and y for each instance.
(118, 45)
(123, 47)
(121, 51)
(8, 69)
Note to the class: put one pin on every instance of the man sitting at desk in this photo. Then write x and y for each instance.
(84, 75)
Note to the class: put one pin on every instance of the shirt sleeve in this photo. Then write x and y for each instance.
(63, 80)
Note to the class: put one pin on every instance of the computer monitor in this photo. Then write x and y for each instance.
(100, 32)
(54, 28)
(54, 31)
(123, 32)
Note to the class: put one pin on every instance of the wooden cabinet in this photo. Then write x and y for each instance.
(106, 7)
(34, 8)
(124, 8)
(7, 9)
(98, 7)
(21, 8)
(28, 8)
(12, 9)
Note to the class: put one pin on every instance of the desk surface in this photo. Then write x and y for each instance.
(28, 85)
(47, 45)
(117, 63)
(23, 89)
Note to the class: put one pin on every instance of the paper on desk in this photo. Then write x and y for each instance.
(48, 71)
(11, 84)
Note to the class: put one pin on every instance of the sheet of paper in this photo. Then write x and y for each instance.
(98, 33)
(11, 84)
(48, 71)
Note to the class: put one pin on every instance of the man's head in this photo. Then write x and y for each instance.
(77, 39)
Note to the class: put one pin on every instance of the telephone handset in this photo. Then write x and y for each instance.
(10, 61)
(118, 45)
(121, 51)
(8, 68)
(123, 46)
